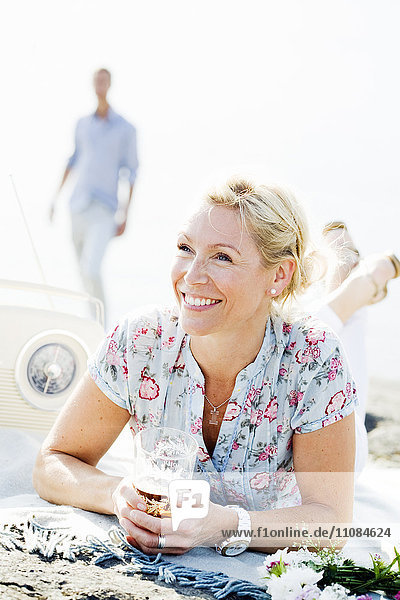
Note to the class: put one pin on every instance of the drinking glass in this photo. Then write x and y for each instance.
(161, 454)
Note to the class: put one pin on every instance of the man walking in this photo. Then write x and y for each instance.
(105, 148)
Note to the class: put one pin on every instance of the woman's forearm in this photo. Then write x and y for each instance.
(64, 479)
(299, 525)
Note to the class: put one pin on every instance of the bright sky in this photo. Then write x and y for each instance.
(304, 93)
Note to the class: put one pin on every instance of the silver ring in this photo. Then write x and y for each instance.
(161, 542)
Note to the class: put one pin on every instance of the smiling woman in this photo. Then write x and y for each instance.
(206, 269)
(275, 429)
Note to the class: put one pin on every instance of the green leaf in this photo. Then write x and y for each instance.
(113, 370)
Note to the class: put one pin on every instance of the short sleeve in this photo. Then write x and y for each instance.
(130, 157)
(108, 365)
(326, 397)
(133, 363)
(74, 157)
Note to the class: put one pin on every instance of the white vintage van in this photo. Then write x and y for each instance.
(43, 351)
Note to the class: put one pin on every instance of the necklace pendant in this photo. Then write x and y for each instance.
(214, 417)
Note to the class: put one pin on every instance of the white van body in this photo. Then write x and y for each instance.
(43, 353)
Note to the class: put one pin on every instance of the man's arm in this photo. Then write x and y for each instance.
(122, 225)
(70, 164)
(130, 162)
(54, 201)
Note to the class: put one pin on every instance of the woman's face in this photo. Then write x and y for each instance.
(218, 279)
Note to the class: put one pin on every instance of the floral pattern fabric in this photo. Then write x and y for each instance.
(298, 383)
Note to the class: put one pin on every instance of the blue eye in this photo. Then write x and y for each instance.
(183, 247)
(224, 257)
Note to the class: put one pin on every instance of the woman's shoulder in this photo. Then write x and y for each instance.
(146, 325)
(141, 345)
(307, 336)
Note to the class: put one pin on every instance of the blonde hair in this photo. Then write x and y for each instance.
(277, 223)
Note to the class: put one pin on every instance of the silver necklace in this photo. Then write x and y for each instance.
(215, 412)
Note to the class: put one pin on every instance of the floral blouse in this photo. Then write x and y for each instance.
(298, 383)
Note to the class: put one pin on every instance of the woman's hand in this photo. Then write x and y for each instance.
(143, 530)
(126, 501)
(124, 498)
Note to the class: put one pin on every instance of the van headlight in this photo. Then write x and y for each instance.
(51, 369)
(48, 368)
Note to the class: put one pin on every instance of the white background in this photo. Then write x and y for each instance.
(301, 92)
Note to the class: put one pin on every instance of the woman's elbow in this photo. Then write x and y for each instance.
(40, 474)
(335, 514)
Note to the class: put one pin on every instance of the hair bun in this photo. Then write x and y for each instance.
(241, 187)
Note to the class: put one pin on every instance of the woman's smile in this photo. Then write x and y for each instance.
(197, 303)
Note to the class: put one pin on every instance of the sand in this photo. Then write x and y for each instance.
(383, 408)
(24, 576)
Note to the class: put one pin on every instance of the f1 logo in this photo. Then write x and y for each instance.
(189, 499)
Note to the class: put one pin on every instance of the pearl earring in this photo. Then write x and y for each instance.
(273, 291)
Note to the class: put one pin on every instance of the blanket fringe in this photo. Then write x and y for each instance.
(60, 542)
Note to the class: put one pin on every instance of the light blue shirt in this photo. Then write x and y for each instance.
(103, 148)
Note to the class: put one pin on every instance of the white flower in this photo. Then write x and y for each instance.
(290, 584)
(264, 570)
(279, 554)
(303, 555)
(330, 556)
(335, 592)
